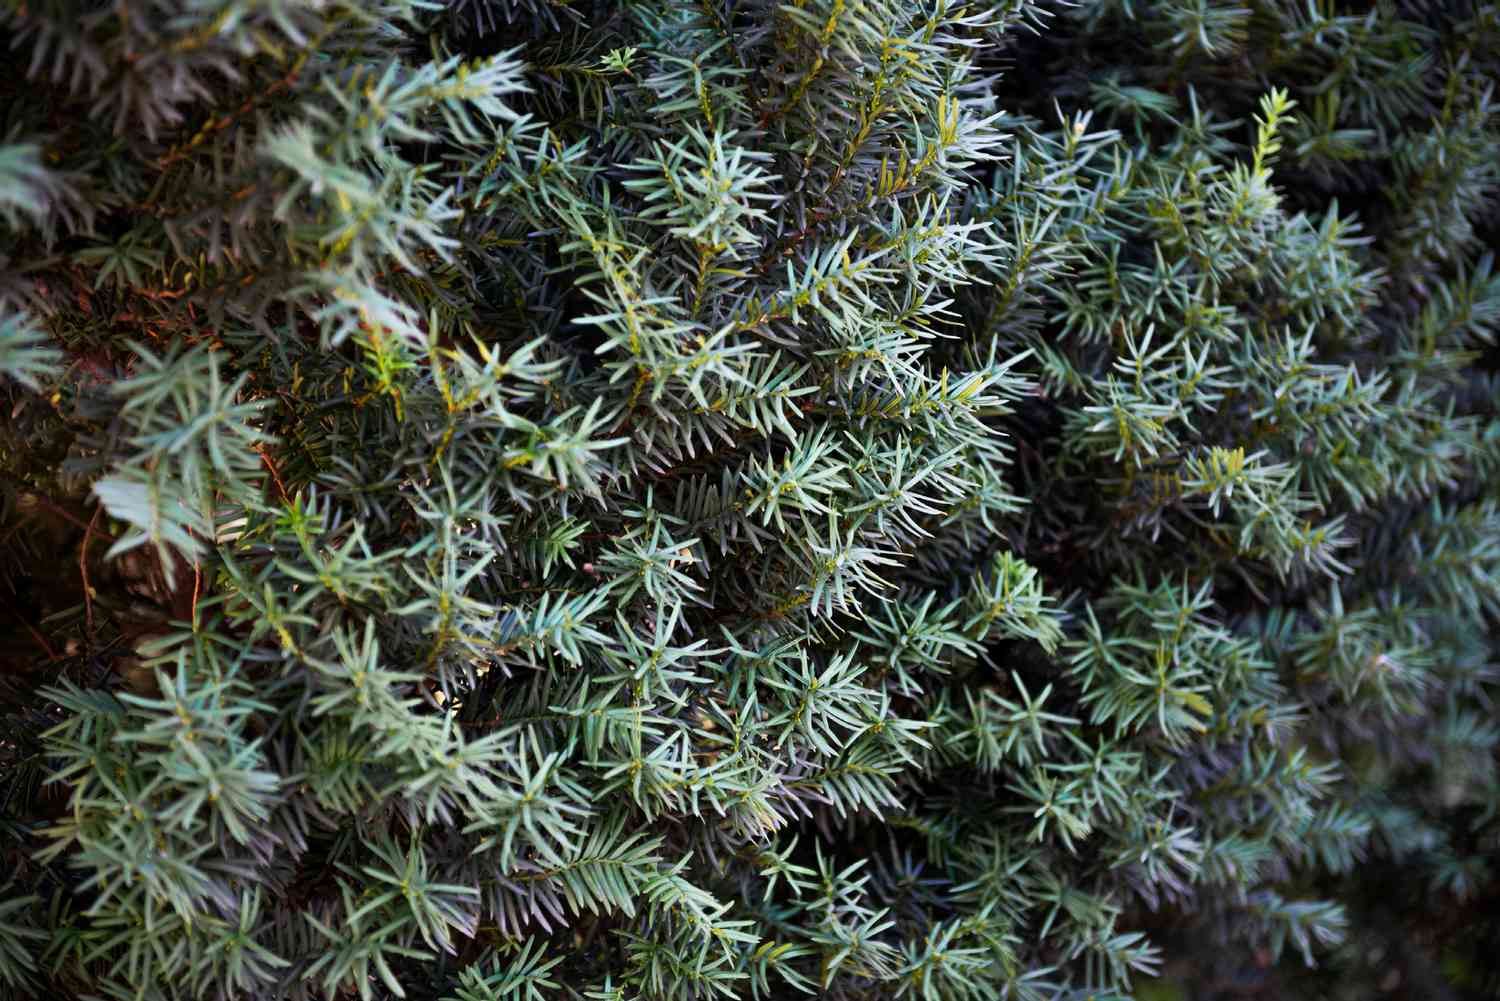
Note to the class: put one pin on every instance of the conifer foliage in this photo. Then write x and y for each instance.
(507, 500)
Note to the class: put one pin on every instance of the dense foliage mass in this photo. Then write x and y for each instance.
(506, 500)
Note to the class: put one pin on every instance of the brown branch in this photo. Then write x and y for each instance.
(41, 640)
(68, 516)
(275, 477)
(220, 123)
(197, 583)
(83, 570)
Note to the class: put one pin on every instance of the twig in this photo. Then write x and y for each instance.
(197, 580)
(68, 516)
(40, 639)
(83, 570)
(275, 477)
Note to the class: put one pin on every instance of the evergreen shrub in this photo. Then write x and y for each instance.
(506, 500)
